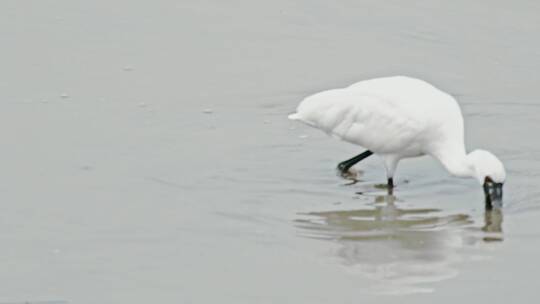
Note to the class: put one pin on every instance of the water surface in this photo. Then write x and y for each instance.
(147, 158)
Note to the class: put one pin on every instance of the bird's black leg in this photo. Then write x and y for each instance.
(344, 166)
(390, 186)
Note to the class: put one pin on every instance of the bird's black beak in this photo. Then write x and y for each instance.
(494, 194)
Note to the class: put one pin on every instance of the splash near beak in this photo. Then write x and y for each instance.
(494, 194)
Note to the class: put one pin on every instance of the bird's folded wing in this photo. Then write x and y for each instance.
(376, 123)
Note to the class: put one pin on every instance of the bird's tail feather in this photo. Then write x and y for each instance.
(294, 116)
(297, 117)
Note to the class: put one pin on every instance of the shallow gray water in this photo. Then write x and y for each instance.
(146, 155)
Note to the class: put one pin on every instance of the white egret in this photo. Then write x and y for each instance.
(400, 117)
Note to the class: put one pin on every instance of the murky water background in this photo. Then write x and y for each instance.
(146, 155)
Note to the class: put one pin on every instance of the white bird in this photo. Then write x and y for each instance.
(400, 117)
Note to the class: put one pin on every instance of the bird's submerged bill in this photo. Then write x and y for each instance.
(490, 172)
(493, 192)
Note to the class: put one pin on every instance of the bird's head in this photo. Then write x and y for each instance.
(489, 172)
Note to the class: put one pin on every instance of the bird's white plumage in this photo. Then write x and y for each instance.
(395, 117)
(385, 115)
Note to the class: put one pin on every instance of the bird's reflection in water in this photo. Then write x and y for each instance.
(491, 231)
(400, 249)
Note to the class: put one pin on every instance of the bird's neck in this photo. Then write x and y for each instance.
(456, 162)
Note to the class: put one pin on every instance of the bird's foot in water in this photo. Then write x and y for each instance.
(389, 186)
(350, 175)
(342, 168)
